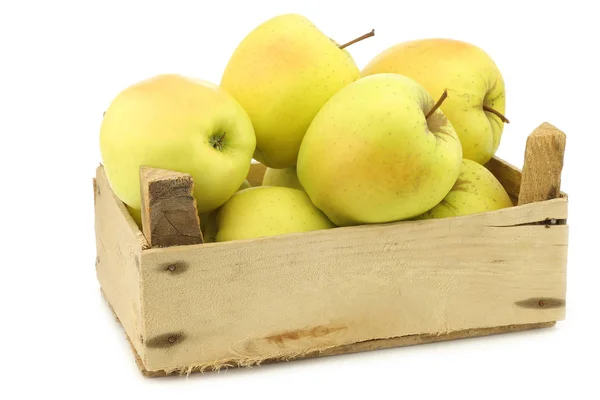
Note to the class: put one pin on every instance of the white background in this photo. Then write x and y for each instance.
(62, 63)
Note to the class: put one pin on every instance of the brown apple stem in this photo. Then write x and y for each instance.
(358, 39)
(437, 104)
(497, 113)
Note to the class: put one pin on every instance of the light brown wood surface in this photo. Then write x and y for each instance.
(542, 168)
(369, 345)
(119, 244)
(169, 214)
(242, 302)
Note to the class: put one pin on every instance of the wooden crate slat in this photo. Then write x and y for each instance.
(542, 168)
(119, 244)
(169, 214)
(245, 301)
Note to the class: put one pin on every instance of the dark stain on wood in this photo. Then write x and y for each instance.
(497, 261)
(166, 340)
(315, 332)
(95, 190)
(541, 302)
(174, 268)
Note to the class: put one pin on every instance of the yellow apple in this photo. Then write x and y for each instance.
(476, 96)
(282, 73)
(371, 155)
(177, 123)
(208, 221)
(266, 211)
(285, 177)
(476, 190)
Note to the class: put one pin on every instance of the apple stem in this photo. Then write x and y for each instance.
(496, 113)
(217, 142)
(358, 39)
(437, 104)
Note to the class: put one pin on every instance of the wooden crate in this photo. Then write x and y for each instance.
(199, 307)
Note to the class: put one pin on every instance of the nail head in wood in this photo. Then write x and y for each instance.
(544, 156)
(169, 214)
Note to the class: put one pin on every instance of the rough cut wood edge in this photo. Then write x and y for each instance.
(370, 345)
(169, 213)
(119, 244)
(542, 168)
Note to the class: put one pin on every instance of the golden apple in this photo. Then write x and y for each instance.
(476, 190)
(266, 211)
(282, 73)
(177, 123)
(372, 154)
(208, 221)
(476, 95)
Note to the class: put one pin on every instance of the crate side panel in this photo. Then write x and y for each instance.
(508, 175)
(119, 244)
(282, 297)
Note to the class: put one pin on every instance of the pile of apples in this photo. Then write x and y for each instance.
(406, 138)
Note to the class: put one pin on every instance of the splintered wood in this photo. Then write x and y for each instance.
(543, 164)
(169, 214)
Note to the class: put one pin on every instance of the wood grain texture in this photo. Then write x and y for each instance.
(169, 214)
(119, 244)
(542, 168)
(291, 295)
(370, 345)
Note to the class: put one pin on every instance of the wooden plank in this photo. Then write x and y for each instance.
(256, 173)
(508, 175)
(370, 345)
(119, 244)
(169, 213)
(292, 295)
(543, 164)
